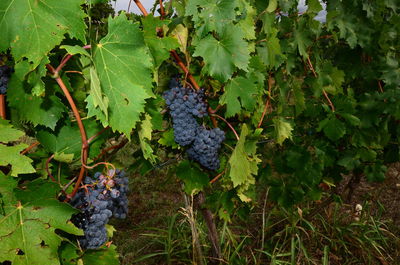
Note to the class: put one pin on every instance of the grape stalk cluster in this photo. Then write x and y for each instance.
(102, 198)
(5, 73)
(185, 106)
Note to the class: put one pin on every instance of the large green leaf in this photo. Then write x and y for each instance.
(124, 67)
(211, 15)
(38, 110)
(32, 28)
(27, 230)
(223, 55)
(243, 88)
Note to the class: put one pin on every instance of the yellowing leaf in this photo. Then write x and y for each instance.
(242, 165)
(283, 129)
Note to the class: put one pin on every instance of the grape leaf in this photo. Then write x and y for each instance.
(27, 230)
(8, 133)
(146, 128)
(66, 140)
(270, 51)
(283, 129)
(10, 155)
(38, 110)
(99, 100)
(243, 88)
(243, 165)
(124, 66)
(223, 55)
(103, 256)
(314, 6)
(301, 38)
(195, 180)
(159, 47)
(41, 26)
(333, 128)
(35, 78)
(73, 50)
(247, 24)
(210, 15)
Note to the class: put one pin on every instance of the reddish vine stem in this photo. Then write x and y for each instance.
(97, 134)
(217, 176)
(162, 9)
(80, 125)
(183, 67)
(267, 103)
(26, 150)
(229, 125)
(141, 7)
(323, 90)
(3, 107)
(47, 167)
(67, 58)
(105, 150)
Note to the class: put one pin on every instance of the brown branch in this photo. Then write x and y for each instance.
(26, 150)
(229, 125)
(3, 107)
(47, 167)
(141, 7)
(162, 9)
(267, 103)
(323, 90)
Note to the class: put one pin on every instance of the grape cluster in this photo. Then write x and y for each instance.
(205, 147)
(5, 72)
(102, 198)
(185, 105)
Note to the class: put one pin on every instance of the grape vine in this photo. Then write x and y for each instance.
(284, 95)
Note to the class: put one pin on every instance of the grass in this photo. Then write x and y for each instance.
(161, 229)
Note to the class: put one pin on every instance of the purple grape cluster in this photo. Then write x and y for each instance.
(104, 197)
(5, 73)
(205, 147)
(185, 106)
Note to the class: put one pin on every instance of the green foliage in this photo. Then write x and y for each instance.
(314, 100)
